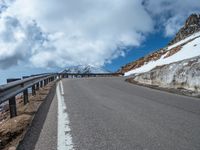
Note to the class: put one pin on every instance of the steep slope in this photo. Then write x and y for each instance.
(185, 45)
(186, 50)
(84, 69)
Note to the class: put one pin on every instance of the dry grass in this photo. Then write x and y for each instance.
(12, 130)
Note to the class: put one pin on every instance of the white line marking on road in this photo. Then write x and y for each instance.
(62, 89)
(64, 140)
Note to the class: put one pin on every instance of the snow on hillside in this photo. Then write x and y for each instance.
(195, 35)
(85, 69)
(189, 50)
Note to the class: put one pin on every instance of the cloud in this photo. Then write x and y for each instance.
(170, 14)
(51, 34)
(172, 25)
(18, 41)
(80, 32)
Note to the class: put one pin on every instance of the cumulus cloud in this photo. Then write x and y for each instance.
(170, 14)
(79, 32)
(172, 25)
(18, 41)
(50, 34)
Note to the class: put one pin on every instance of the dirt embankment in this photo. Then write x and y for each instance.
(12, 130)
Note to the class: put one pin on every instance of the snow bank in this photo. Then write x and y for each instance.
(183, 74)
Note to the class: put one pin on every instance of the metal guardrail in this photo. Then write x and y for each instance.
(67, 75)
(9, 91)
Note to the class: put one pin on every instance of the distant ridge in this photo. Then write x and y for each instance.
(85, 69)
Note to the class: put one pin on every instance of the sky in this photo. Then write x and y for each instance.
(46, 36)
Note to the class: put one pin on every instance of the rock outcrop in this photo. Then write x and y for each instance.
(191, 26)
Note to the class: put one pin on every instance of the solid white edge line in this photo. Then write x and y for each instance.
(64, 138)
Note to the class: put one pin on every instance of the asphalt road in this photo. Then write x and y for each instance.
(110, 114)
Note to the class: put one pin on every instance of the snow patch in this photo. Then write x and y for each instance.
(184, 40)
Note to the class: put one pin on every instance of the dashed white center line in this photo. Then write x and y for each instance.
(64, 140)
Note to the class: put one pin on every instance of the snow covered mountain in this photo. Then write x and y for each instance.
(85, 69)
(185, 45)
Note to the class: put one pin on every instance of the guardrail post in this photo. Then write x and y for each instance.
(37, 86)
(33, 90)
(44, 82)
(25, 96)
(12, 106)
(12, 101)
(41, 84)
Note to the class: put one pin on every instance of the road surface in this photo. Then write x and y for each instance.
(110, 114)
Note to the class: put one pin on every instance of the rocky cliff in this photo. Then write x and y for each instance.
(191, 26)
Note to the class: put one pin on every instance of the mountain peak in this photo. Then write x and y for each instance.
(193, 19)
(191, 26)
(85, 69)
